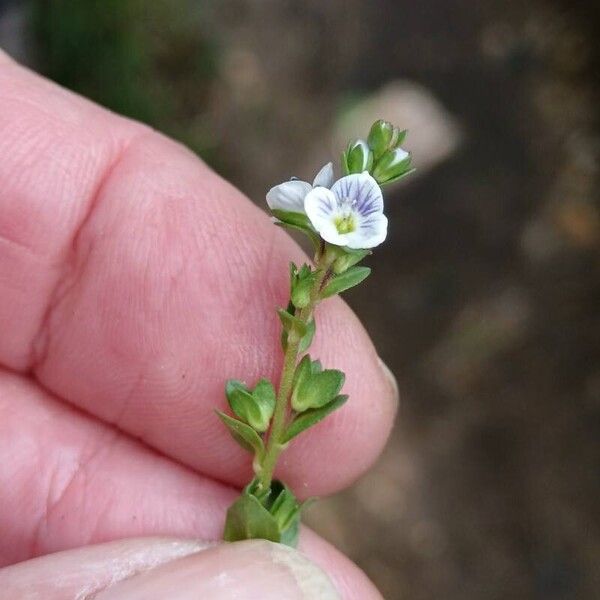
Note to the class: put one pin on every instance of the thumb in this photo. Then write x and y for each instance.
(153, 569)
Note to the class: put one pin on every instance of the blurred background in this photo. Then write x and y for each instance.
(484, 302)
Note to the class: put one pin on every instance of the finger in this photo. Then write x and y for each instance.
(176, 569)
(70, 481)
(134, 282)
(82, 572)
(251, 569)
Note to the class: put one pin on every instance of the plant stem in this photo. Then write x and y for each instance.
(290, 359)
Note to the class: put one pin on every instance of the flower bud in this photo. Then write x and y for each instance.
(392, 165)
(357, 157)
(380, 137)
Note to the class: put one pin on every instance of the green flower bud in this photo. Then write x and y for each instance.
(357, 158)
(392, 165)
(380, 137)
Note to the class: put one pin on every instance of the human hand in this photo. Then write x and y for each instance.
(133, 282)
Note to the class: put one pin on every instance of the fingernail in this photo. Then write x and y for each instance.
(252, 569)
(391, 379)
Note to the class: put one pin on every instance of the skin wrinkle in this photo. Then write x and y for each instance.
(101, 446)
(73, 271)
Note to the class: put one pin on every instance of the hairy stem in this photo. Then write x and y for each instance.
(290, 360)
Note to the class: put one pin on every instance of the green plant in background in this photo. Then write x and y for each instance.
(344, 219)
(151, 61)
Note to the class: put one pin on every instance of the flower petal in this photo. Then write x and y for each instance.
(288, 196)
(363, 190)
(324, 177)
(371, 231)
(321, 206)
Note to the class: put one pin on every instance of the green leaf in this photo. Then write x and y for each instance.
(265, 397)
(248, 519)
(284, 506)
(344, 281)
(255, 408)
(291, 323)
(303, 372)
(317, 389)
(243, 434)
(307, 339)
(290, 535)
(348, 259)
(312, 417)
(297, 219)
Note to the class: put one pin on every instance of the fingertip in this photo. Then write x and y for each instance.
(250, 569)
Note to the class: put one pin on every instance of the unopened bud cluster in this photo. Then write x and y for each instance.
(380, 154)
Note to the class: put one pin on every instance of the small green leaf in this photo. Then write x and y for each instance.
(265, 397)
(312, 417)
(255, 408)
(348, 259)
(243, 434)
(248, 519)
(307, 339)
(302, 373)
(290, 535)
(316, 366)
(291, 323)
(317, 390)
(284, 506)
(344, 281)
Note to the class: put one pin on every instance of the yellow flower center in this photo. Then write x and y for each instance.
(345, 224)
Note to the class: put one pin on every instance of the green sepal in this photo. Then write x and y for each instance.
(248, 519)
(243, 434)
(344, 281)
(312, 417)
(317, 389)
(296, 219)
(398, 177)
(307, 338)
(291, 323)
(390, 168)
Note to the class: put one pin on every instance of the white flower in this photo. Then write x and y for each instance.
(290, 195)
(350, 213)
